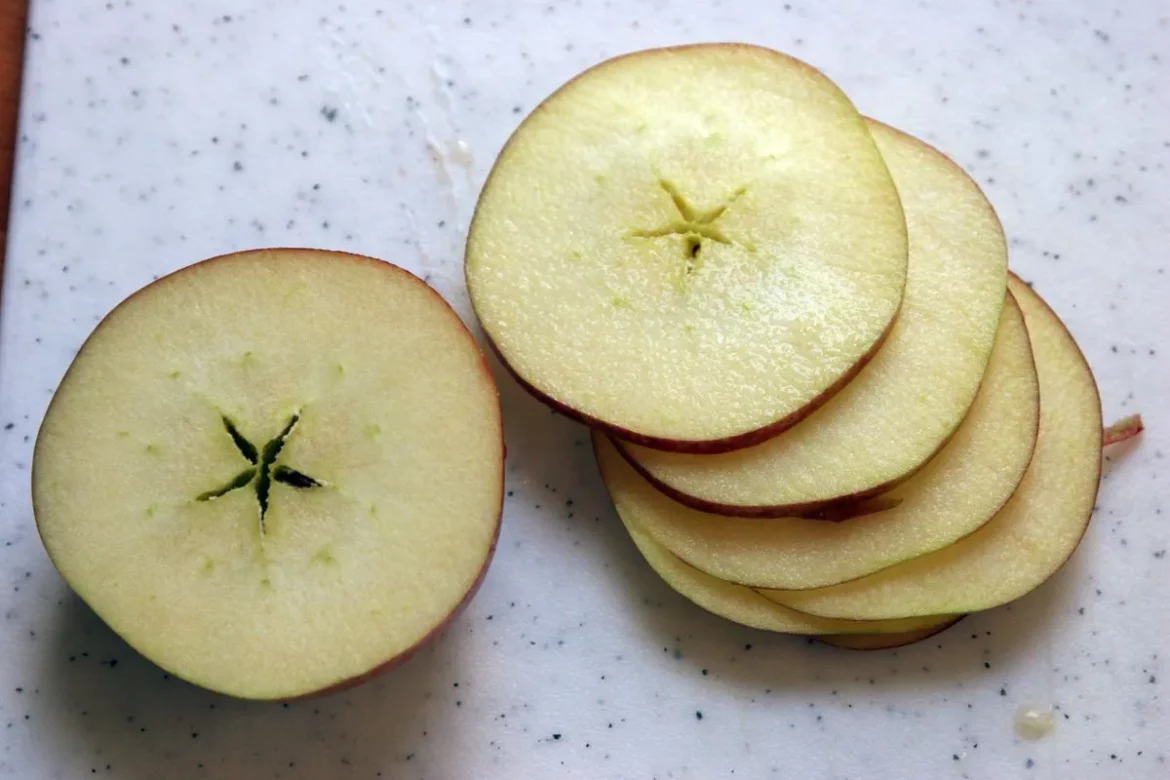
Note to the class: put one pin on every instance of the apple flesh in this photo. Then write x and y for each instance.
(690, 248)
(960, 490)
(275, 472)
(902, 407)
(1032, 536)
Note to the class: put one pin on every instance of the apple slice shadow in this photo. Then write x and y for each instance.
(98, 697)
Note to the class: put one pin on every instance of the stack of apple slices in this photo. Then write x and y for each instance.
(820, 402)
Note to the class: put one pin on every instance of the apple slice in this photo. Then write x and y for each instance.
(1032, 536)
(889, 641)
(960, 490)
(275, 472)
(904, 405)
(746, 607)
(690, 248)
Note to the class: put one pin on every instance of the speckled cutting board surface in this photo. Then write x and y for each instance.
(157, 134)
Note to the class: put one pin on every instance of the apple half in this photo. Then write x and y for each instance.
(275, 472)
(690, 248)
(903, 406)
(747, 607)
(1032, 536)
(960, 490)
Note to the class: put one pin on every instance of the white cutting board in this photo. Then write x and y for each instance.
(157, 134)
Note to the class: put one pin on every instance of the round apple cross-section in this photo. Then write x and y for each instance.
(274, 473)
(689, 248)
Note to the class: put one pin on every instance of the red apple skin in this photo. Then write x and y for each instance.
(885, 641)
(701, 447)
(434, 632)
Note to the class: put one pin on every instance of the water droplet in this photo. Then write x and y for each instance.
(461, 154)
(1034, 722)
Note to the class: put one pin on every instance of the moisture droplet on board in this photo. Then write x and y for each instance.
(461, 154)
(1034, 722)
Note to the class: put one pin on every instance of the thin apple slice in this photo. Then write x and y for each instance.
(691, 247)
(746, 607)
(275, 472)
(1032, 536)
(889, 641)
(960, 490)
(904, 405)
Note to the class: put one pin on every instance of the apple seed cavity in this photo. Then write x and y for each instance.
(264, 468)
(693, 227)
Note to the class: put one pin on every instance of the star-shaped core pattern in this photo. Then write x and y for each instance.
(264, 469)
(694, 226)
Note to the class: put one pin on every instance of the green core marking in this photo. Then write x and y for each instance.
(264, 468)
(694, 226)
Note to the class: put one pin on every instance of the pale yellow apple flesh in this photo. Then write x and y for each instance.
(690, 247)
(889, 641)
(1032, 536)
(274, 472)
(746, 607)
(903, 406)
(960, 490)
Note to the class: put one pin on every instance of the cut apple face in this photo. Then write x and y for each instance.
(275, 472)
(909, 400)
(1032, 536)
(746, 607)
(690, 248)
(889, 641)
(960, 490)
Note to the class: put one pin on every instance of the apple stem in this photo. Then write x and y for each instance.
(1122, 430)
